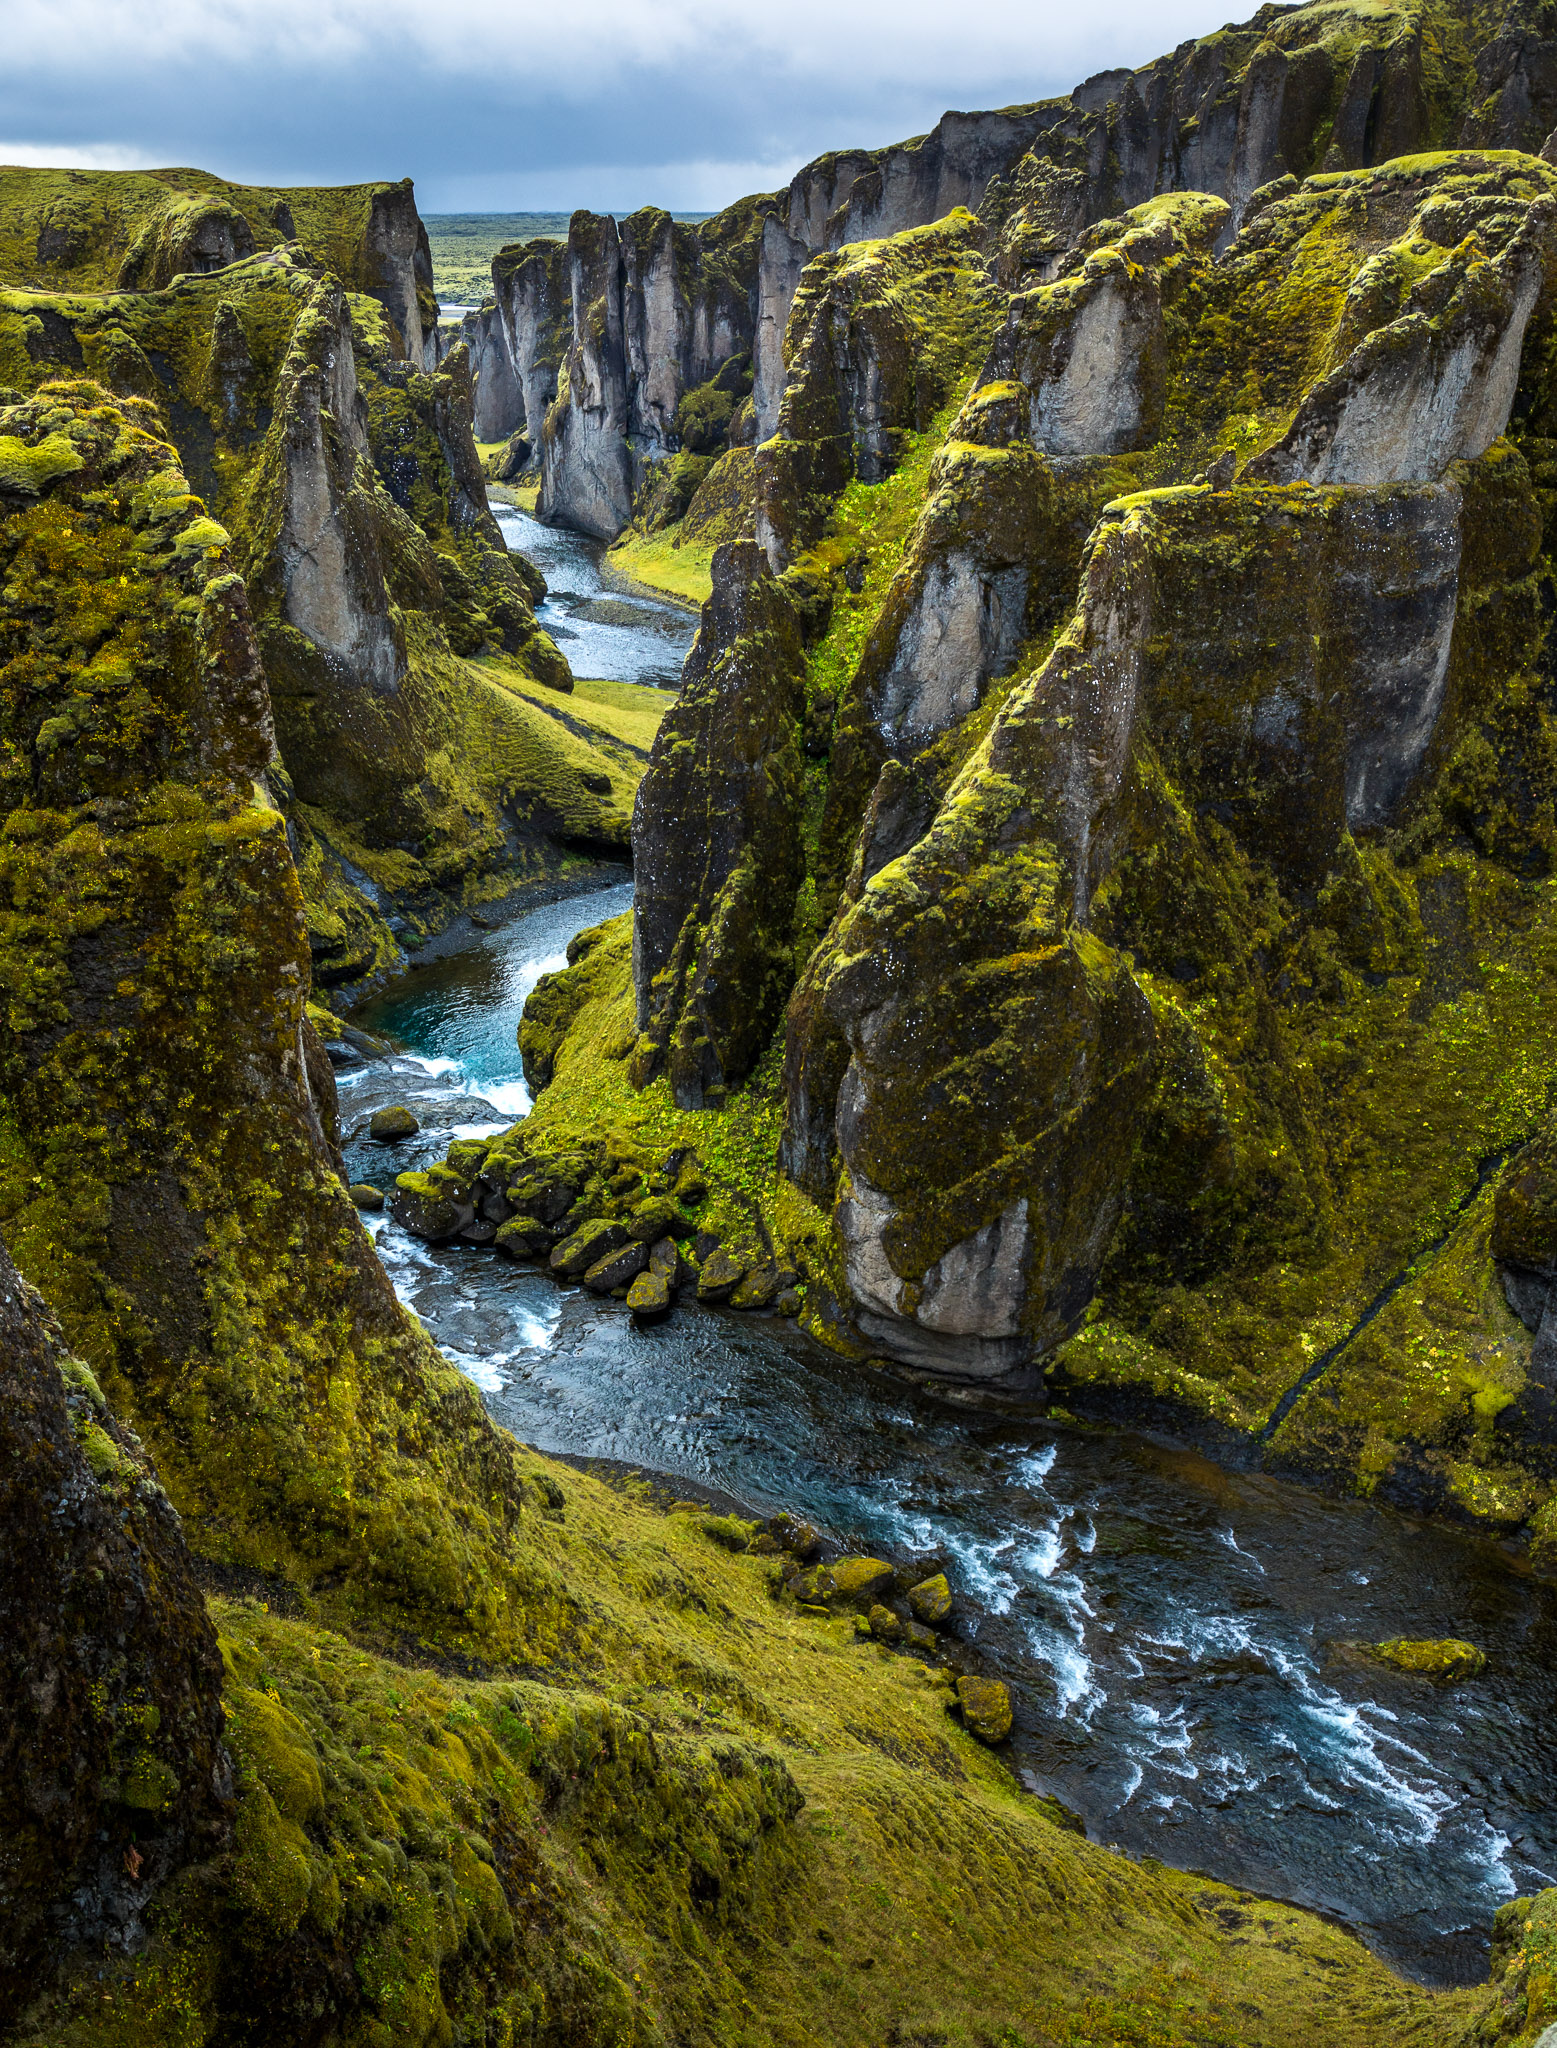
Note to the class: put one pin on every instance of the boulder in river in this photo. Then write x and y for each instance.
(846, 1582)
(721, 1274)
(522, 1237)
(1443, 1660)
(435, 1205)
(576, 1254)
(365, 1195)
(390, 1125)
(649, 1294)
(619, 1267)
(985, 1706)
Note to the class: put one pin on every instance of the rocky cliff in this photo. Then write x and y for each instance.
(423, 764)
(652, 310)
(1157, 815)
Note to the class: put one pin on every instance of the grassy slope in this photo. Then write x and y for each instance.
(568, 1860)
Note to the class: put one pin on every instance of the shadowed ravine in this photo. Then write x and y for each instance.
(1169, 1628)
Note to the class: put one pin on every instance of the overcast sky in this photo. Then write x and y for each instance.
(508, 107)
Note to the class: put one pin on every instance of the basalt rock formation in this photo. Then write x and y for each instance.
(618, 330)
(1170, 914)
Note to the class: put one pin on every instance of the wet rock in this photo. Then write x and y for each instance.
(798, 1537)
(1443, 1660)
(544, 1192)
(586, 1247)
(985, 1706)
(478, 1231)
(390, 1125)
(720, 1276)
(846, 1582)
(618, 1268)
(931, 1599)
(365, 1195)
(790, 1302)
(884, 1624)
(649, 1295)
(522, 1237)
(665, 1261)
(762, 1286)
(435, 1205)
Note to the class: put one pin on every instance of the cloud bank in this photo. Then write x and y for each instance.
(492, 107)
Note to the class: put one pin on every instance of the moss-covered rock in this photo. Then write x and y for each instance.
(985, 1706)
(1445, 1661)
(113, 1772)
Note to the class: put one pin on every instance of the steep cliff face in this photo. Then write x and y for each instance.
(113, 1770)
(423, 768)
(658, 309)
(534, 300)
(168, 1180)
(1292, 92)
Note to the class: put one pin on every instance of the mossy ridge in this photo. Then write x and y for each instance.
(99, 231)
(165, 1169)
(622, 1855)
(447, 790)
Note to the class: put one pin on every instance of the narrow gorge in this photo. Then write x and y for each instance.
(777, 1170)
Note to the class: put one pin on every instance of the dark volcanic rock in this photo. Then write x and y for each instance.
(112, 1770)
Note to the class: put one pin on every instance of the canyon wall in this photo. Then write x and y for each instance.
(1118, 754)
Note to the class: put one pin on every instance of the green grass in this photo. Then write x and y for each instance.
(662, 562)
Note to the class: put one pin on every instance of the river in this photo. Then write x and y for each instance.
(1170, 1630)
(607, 627)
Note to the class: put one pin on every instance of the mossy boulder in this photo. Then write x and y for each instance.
(846, 1582)
(594, 1241)
(524, 1237)
(389, 1126)
(658, 1217)
(1444, 1660)
(366, 1196)
(931, 1599)
(649, 1295)
(616, 1268)
(436, 1205)
(985, 1707)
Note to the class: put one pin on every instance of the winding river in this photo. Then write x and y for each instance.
(1172, 1632)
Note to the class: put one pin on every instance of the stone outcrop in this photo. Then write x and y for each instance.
(534, 300)
(113, 1772)
(716, 841)
(658, 307)
(351, 483)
